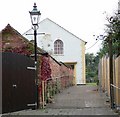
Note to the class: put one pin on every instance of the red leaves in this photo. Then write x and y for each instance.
(21, 50)
(45, 68)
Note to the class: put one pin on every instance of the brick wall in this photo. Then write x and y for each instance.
(13, 41)
(55, 68)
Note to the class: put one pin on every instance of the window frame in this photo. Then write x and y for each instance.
(58, 47)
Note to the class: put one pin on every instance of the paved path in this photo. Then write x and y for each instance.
(79, 97)
(76, 100)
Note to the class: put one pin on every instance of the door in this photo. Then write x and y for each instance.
(18, 82)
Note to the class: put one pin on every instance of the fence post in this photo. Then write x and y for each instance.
(111, 73)
(43, 93)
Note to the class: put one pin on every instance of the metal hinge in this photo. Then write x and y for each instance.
(34, 104)
(32, 68)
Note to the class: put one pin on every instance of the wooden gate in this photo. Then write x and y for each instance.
(18, 84)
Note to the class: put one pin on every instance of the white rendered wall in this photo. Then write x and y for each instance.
(72, 45)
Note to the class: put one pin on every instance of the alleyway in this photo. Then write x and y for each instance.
(76, 100)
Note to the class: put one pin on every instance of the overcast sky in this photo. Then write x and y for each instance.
(84, 18)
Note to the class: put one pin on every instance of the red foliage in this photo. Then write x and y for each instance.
(45, 68)
(20, 50)
(44, 72)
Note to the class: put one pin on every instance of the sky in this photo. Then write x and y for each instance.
(84, 18)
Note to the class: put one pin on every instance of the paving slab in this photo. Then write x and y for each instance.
(76, 100)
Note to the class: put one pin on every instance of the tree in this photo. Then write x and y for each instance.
(113, 31)
(91, 67)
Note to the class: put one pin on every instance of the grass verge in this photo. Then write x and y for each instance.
(92, 84)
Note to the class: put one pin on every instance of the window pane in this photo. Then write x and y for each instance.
(58, 47)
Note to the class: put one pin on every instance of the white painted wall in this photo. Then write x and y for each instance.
(72, 44)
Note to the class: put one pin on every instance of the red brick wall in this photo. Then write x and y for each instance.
(12, 41)
(55, 68)
(64, 70)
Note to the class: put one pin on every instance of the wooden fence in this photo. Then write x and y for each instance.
(104, 77)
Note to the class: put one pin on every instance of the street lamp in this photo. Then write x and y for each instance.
(35, 16)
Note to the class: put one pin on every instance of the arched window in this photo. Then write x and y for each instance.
(58, 47)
